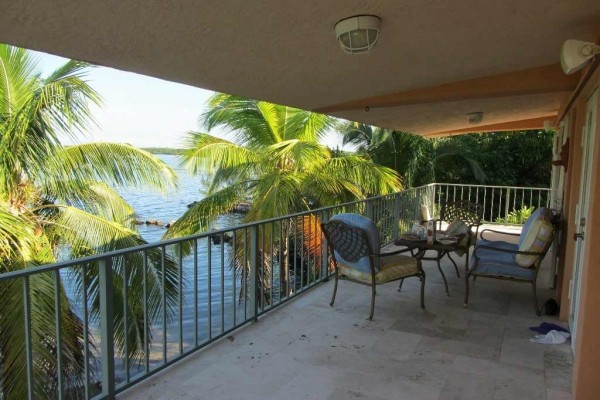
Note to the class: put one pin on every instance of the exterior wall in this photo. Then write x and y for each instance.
(586, 384)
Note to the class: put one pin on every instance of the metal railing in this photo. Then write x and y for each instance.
(142, 309)
(501, 204)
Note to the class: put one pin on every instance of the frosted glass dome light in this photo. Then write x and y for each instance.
(358, 34)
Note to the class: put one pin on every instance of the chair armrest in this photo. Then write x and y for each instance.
(500, 232)
(527, 253)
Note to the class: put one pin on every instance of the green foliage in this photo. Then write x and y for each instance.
(520, 158)
(418, 160)
(502, 158)
(275, 160)
(516, 217)
(57, 200)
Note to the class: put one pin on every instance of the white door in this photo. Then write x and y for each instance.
(581, 215)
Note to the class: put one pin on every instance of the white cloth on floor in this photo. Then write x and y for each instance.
(552, 337)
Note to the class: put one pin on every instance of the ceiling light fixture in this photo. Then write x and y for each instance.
(475, 117)
(358, 34)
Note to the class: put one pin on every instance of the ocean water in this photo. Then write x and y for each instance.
(209, 291)
(150, 204)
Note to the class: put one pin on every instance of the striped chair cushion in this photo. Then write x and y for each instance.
(536, 238)
(458, 227)
(392, 267)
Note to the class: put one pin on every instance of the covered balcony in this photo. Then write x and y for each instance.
(309, 350)
(244, 312)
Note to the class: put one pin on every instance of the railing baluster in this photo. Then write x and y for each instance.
(263, 266)
(28, 338)
(507, 201)
(245, 271)
(125, 322)
(284, 265)
(530, 198)
(484, 200)
(58, 323)
(253, 271)
(272, 264)
(164, 301)
(86, 332)
(233, 273)
(295, 274)
(209, 285)
(302, 255)
(180, 293)
(145, 309)
(105, 283)
(222, 283)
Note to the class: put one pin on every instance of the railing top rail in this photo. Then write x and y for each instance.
(493, 186)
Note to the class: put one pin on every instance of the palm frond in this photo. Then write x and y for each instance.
(371, 178)
(17, 237)
(17, 66)
(204, 152)
(113, 163)
(297, 154)
(276, 194)
(99, 199)
(241, 116)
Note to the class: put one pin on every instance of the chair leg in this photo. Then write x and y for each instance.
(422, 278)
(538, 311)
(400, 286)
(443, 277)
(372, 302)
(455, 266)
(335, 285)
(466, 289)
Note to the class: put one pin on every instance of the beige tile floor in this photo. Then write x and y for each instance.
(309, 350)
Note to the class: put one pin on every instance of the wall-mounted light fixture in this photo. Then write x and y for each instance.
(575, 54)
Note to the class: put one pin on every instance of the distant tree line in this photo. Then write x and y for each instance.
(162, 150)
(521, 158)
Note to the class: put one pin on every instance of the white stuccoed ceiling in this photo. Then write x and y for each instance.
(286, 52)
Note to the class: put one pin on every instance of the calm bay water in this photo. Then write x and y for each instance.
(216, 301)
(153, 205)
(215, 282)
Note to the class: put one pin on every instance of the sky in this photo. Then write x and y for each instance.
(143, 111)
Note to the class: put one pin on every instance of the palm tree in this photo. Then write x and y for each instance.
(418, 160)
(276, 162)
(58, 202)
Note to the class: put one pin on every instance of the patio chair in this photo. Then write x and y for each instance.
(514, 261)
(352, 239)
(464, 219)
